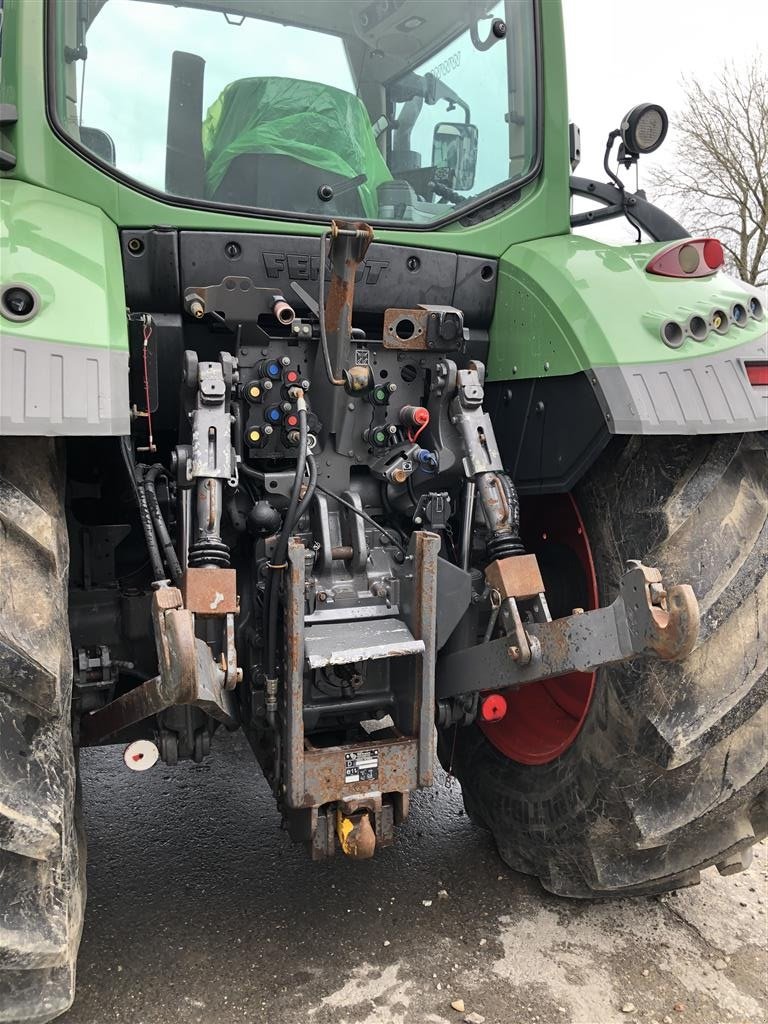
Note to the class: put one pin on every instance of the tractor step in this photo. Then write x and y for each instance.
(344, 643)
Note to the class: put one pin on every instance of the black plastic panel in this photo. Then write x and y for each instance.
(392, 275)
(151, 266)
(165, 353)
(550, 430)
(475, 289)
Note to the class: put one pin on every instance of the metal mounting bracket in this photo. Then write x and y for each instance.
(188, 675)
(645, 619)
(317, 777)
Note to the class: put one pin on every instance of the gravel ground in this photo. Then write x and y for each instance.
(201, 911)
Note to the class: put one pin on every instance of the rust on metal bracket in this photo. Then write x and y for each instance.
(406, 329)
(425, 546)
(668, 617)
(675, 627)
(316, 778)
(188, 675)
(349, 244)
(644, 619)
(324, 769)
(210, 591)
(517, 576)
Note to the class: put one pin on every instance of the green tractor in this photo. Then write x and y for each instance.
(320, 422)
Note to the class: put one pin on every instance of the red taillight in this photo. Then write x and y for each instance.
(694, 257)
(714, 256)
(758, 374)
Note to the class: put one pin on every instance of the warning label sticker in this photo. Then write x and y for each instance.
(361, 766)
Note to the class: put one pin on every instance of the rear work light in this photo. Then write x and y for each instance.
(694, 257)
(758, 374)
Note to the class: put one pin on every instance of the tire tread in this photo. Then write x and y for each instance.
(669, 776)
(41, 852)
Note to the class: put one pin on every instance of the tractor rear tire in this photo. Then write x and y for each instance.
(42, 854)
(667, 775)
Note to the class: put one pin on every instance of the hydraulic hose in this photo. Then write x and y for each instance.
(310, 489)
(136, 476)
(254, 474)
(158, 521)
(281, 548)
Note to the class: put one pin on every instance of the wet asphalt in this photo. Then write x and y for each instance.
(201, 911)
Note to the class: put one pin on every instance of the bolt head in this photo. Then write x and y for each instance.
(514, 653)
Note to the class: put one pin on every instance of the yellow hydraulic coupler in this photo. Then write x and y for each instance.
(356, 834)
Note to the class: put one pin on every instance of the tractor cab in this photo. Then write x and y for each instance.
(394, 111)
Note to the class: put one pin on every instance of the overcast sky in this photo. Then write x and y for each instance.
(620, 54)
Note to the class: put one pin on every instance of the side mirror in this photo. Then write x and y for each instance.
(454, 148)
(99, 143)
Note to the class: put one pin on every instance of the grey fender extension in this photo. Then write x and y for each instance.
(706, 394)
(58, 390)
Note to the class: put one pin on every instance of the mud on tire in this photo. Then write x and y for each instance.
(668, 774)
(41, 852)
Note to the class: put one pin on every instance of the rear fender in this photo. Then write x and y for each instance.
(64, 371)
(571, 305)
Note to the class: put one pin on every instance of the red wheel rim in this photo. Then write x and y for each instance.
(544, 719)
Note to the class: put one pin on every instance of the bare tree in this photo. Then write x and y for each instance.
(719, 179)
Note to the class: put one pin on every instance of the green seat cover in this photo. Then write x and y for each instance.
(317, 124)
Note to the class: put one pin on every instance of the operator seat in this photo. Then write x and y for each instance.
(284, 183)
(273, 142)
